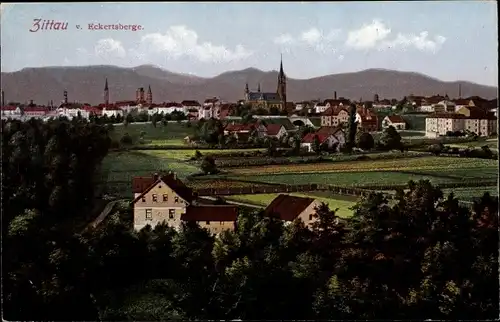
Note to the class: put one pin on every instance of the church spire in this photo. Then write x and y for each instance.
(282, 84)
(106, 93)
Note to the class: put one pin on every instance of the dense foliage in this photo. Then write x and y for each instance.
(421, 256)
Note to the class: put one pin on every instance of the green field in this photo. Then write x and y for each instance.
(438, 170)
(183, 155)
(491, 143)
(171, 134)
(467, 194)
(342, 203)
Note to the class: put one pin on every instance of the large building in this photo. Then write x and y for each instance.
(472, 119)
(268, 100)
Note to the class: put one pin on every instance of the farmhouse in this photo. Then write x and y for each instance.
(166, 199)
(112, 111)
(328, 136)
(367, 120)
(289, 208)
(35, 111)
(11, 111)
(238, 129)
(334, 116)
(275, 131)
(394, 120)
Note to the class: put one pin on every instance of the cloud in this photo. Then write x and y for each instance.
(180, 41)
(376, 36)
(312, 38)
(341, 57)
(368, 35)
(420, 42)
(106, 48)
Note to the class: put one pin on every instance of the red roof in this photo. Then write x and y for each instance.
(273, 129)
(328, 130)
(92, 109)
(36, 109)
(309, 138)
(190, 103)
(211, 213)
(239, 127)
(143, 185)
(337, 102)
(287, 207)
(172, 104)
(447, 116)
(9, 108)
(211, 100)
(461, 101)
(333, 111)
(112, 108)
(396, 119)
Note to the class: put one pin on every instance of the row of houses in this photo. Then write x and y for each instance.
(166, 199)
(478, 120)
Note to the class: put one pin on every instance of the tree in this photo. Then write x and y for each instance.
(391, 139)
(208, 165)
(126, 139)
(366, 141)
(352, 126)
(316, 145)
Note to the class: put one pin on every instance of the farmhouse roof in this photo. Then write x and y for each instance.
(190, 103)
(9, 108)
(239, 127)
(172, 104)
(273, 129)
(337, 102)
(328, 130)
(211, 213)
(287, 207)
(309, 138)
(396, 119)
(143, 185)
(112, 108)
(36, 109)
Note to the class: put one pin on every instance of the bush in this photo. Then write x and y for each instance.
(126, 139)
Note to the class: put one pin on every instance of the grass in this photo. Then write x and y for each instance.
(392, 165)
(340, 202)
(186, 154)
(172, 134)
(491, 143)
(467, 194)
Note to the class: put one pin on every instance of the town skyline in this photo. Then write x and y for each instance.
(184, 41)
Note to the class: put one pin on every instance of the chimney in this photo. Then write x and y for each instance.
(335, 95)
(155, 176)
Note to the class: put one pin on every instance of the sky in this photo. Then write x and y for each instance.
(448, 40)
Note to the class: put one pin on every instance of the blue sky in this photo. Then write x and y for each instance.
(449, 40)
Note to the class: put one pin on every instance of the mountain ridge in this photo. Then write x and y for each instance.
(86, 83)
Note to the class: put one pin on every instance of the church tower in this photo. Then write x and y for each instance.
(106, 93)
(247, 92)
(149, 96)
(282, 84)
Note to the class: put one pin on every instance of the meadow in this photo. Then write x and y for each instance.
(491, 143)
(342, 203)
(171, 134)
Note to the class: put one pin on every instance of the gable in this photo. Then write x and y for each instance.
(159, 188)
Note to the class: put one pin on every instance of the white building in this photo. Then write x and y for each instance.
(112, 111)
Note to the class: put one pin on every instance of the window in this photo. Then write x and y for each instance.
(310, 217)
(155, 198)
(176, 199)
(149, 214)
(208, 223)
(171, 213)
(165, 197)
(222, 223)
(143, 199)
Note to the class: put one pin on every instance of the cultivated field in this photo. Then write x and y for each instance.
(342, 203)
(171, 134)
(491, 143)
(184, 155)
(395, 165)
(467, 194)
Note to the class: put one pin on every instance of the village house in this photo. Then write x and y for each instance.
(112, 110)
(444, 106)
(248, 129)
(394, 120)
(168, 108)
(328, 136)
(289, 208)
(189, 105)
(334, 116)
(479, 120)
(367, 120)
(206, 112)
(35, 111)
(164, 198)
(276, 131)
(11, 111)
(441, 123)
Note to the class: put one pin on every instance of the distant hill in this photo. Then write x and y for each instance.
(85, 84)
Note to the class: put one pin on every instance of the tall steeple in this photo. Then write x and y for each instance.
(258, 88)
(65, 94)
(247, 92)
(106, 93)
(149, 96)
(282, 84)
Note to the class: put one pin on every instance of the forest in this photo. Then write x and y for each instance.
(422, 256)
